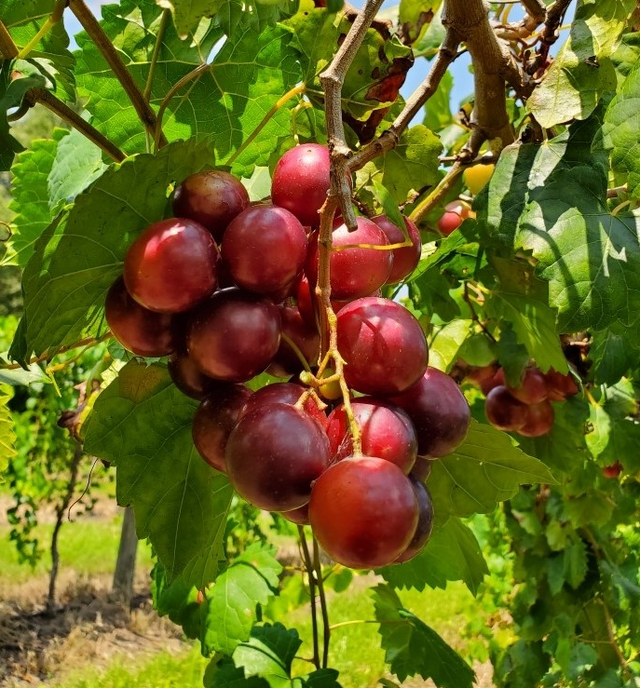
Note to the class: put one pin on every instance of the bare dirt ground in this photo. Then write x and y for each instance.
(89, 626)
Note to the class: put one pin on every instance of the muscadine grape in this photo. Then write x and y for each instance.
(503, 410)
(172, 266)
(211, 198)
(439, 412)
(274, 454)
(234, 335)
(425, 521)
(265, 249)
(383, 345)
(363, 511)
(532, 388)
(301, 181)
(560, 386)
(355, 272)
(385, 431)
(214, 420)
(407, 258)
(139, 330)
(539, 419)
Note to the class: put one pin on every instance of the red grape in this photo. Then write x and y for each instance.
(503, 410)
(405, 259)
(234, 335)
(613, 471)
(355, 272)
(425, 521)
(383, 345)
(171, 266)
(299, 516)
(363, 511)
(532, 388)
(265, 249)
(539, 420)
(214, 420)
(139, 330)
(301, 180)
(386, 432)
(211, 198)
(439, 412)
(274, 454)
(560, 386)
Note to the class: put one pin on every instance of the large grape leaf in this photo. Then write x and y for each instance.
(452, 554)
(268, 653)
(142, 424)
(251, 579)
(521, 299)
(30, 200)
(7, 433)
(80, 254)
(485, 469)
(582, 71)
(188, 13)
(411, 647)
(550, 200)
(51, 55)
(246, 77)
(622, 130)
(78, 163)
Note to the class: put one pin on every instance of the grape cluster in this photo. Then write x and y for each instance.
(226, 289)
(527, 408)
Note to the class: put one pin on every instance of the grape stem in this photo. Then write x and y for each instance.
(164, 20)
(326, 628)
(308, 564)
(87, 342)
(55, 17)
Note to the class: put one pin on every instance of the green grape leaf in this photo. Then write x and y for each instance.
(188, 13)
(412, 165)
(50, 55)
(599, 430)
(268, 654)
(250, 579)
(548, 201)
(21, 376)
(622, 131)
(452, 554)
(588, 509)
(575, 563)
(30, 199)
(142, 424)
(181, 602)
(485, 469)
(11, 96)
(7, 433)
(80, 254)
(613, 352)
(78, 163)
(411, 647)
(582, 71)
(521, 300)
(447, 342)
(245, 79)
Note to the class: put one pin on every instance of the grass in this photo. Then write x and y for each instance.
(88, 546)
(162, 671)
